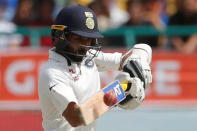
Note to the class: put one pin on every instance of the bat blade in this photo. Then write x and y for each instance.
(94, 107)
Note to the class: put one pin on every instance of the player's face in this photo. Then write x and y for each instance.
(189, 6)
(77, 46)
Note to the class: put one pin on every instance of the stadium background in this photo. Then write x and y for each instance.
(170, 104)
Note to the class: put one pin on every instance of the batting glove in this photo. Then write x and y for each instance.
(142, 53)
(135, 93)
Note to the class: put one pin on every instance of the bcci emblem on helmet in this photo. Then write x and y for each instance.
(90, 23)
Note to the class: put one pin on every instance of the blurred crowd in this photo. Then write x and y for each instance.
(110, 14)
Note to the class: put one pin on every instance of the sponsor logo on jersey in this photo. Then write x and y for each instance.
(52, 85)
(72, 71)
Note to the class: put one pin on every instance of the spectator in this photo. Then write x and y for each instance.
(102, 11)
(24, 12)
(154, 13)
(9, 8)
(136, 12)
(44, 18)
(139, 13)
(8, 38)
(71, 2)
(185, 16)
(44, 10)
(108, 13)
(23, 17)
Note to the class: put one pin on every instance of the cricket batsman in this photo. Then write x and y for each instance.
(71, 75)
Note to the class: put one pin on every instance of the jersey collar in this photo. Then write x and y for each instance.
(55, 56)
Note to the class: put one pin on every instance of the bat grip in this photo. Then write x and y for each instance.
(124, 86)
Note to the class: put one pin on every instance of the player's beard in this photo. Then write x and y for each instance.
(76, 55)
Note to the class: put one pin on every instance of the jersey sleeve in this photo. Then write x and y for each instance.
(60, 90)
(108, 61)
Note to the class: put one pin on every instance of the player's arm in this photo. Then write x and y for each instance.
(136, 62)
(185, 46)
(108, 61)
(66, 102)
(64, 99)
(142, 54)
(73, 115)
(68, 105)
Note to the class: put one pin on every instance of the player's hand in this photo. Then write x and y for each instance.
(134, 96)
(73, 115)
(142, 53)
(123, 77)
(135, 86)
(136, 91)
(110, 98)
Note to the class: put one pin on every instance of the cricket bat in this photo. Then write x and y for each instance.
(95, 106)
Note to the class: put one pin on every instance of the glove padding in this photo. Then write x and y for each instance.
(141, 70)
(132, 100)
(135, 96)
(134, 70)
(135, 93)
(142, 54)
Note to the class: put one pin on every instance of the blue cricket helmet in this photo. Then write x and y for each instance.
(79, 20)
